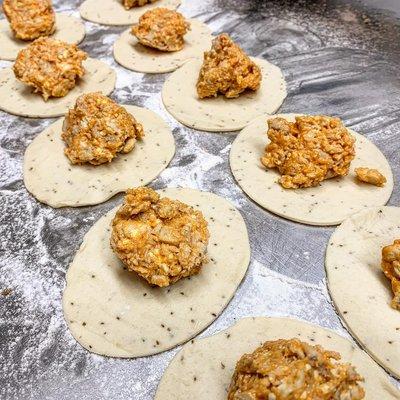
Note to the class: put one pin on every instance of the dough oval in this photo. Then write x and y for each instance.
(112, 312)
(132, 55)
(358, 287)
(219, 114)
(112, 12)
(204, 367)
(328, 204)
(68, 29)
(17, 98)
(53, 180)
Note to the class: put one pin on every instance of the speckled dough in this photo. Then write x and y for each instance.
(113, 312)
(17, 98)
(112, 12)
(328, 204)
(203, 368)
(68, 29)
(358, 287)
(53, 180)
(219, 114)
(132, 55)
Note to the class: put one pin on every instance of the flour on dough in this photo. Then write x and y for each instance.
(358, 287)
(132, 55)
(53, 180)
(113, 312)
(204, 367)
(328, 204)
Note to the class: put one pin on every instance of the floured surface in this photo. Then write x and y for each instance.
(112, 12)
(328, 204)
(220, 114)
(358, 287)
(113, 312)
(68, 29)
(132, 55)
(53, 180)
(17, 98)
(202, 370)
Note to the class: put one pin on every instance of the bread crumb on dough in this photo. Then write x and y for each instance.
(161, 29)
(309, 150)
(370, 175)
(97, 129)
(162, 240)
(291, 369)
(391, 268)
(30, 19)
(227, 70)
(50, 66)
(128, 4)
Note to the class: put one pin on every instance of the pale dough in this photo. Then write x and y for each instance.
(358, 287)
(17, 98)
(113, 312)
(68, 29)
(203, 369)
(132, 55)
(219, 114)
(328, 204)
(112, 12)
(53, 180)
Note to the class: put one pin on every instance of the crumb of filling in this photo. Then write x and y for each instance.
(128, 4)
(50, 66)
(227, 70)
(370, 175)
(97, 129)
(391, 268)
(293, 370)
(161, 29)
(309, 150)
(161, 239)
(30, 19)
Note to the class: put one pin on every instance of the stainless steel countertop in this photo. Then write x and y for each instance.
(339, 57)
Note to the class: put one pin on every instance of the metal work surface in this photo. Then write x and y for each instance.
(339, 57)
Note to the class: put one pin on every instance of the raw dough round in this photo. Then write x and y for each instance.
(133, 55)
(68, 29)
(219, 114)
(328, 204)
(53, 180)
(203, 368)
(17, 98)
(358, 287)
(113, 312)
(112, 12)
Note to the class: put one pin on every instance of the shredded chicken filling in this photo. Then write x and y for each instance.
(370, 175)
(128, 4)
(391, 268)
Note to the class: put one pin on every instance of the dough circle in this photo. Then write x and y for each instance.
(132, 55)
(113, 312)
(17, 98)
(358, 287)
(203, 368)
(219, 114)
(53, 180)
(68, 29)
(112, 12)
(328, 204)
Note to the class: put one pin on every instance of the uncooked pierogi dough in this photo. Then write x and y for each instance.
(203, 368)
(112, 12)
(18, 98)
(358, 287)
(133, 55)
(68, 29)
(52, 179)
(327, 204)
(219, 114)
(113, 312)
